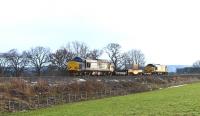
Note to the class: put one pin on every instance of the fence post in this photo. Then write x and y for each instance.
(38, 101)
(69, 97)
(97, 94)
(86, 95)
(1, 103)
(19, 106)
(47, 101)
(81, 95)
(9, 105)
(75, 97)
(62, 98)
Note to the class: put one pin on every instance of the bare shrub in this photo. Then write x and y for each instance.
(18, 83)
(42, 87)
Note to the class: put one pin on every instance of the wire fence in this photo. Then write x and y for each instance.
(46, 101)
(42, 101)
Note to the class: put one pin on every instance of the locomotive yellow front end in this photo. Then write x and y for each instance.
(155, 69)
(73, 66)
(149, 69)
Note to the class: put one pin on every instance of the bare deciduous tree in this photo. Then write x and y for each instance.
(196, 64)
(113, 51)
(135, 57)
(60, 57)
(38, 57)
(78, 48)
(95, 54)
(125, 61)
(16, 61)
(3, 64)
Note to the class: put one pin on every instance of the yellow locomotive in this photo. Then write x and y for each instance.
(155, 69)
(80, 66)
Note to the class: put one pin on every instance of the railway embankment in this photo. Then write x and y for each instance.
(25, 93)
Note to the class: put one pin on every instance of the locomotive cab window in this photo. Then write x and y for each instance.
(88, 65)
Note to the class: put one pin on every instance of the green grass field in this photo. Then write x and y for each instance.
(177, 101)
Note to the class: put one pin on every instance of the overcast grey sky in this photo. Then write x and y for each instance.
(167, 31)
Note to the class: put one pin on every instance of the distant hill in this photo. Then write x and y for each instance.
(172, 68)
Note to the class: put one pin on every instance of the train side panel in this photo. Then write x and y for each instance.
(161, 69)
(90, 67)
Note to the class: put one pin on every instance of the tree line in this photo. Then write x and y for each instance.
(40, 60)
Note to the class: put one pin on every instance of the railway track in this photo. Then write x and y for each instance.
(69, 78)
